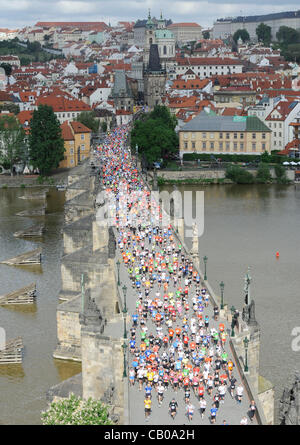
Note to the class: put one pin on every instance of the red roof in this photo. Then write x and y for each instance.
(78, 127)
(63, 104)
(66, 131)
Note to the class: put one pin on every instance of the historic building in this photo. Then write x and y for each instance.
(154, 79)
(208, 133)
(226, 27)
(121, 92)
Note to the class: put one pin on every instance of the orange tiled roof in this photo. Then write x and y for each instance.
(66, 131)
(63, 104)
(78, 127)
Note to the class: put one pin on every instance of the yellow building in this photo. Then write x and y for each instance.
(77, 139)
(208, 133)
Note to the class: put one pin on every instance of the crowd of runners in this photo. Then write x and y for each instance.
(177, 343)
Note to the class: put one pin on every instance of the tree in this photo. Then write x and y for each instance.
(263, 33)
(287, 35)
(206, 35)
(155, 136)
(46, 145)
(104, 126)
(239, 175)
(241, 33)
(76, 411)
(11, 141)
(88, 118)
(263, 173)
(7, 68)
(162, 113)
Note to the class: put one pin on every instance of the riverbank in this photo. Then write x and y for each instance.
(208, 177)
(23, 181)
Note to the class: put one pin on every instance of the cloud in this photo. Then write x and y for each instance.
(18, 13)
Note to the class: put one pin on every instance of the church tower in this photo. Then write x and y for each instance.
(154, 79)
(149, 37)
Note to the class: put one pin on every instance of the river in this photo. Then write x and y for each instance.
(23, 387)
(245, 226)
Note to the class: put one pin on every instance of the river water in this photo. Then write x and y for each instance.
(245, 226)
(23, 387)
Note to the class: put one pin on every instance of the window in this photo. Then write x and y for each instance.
(193, 144)
(211, 135)
(212, 145)
(203, 135)
(264, 136)
(71, 151)
(253, 146)
(204, 145)
(221, 135)
(82, 147)
(82, 137)
(234, 135)
(242, 146)
(235, 146)
(263, 147)
(253, 135)
(185, 145)
(275, 134)
(242, 135)
(227, 146)
(227, 135)
(221, 146)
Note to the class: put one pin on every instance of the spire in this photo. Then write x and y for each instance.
(149, 15)
(161, 17)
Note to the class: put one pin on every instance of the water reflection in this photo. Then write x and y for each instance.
(13, 373)
(22, 308)
(67, 369)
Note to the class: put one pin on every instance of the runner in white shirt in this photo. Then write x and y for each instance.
(202, 404)
(239, 393)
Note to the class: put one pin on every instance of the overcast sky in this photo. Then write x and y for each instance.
(19, 13)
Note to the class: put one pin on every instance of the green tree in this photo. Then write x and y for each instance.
(239, 175)
(155, 135)
(104, 126)
(265, 157)
(206, 35)
(263, 173)
(76, 411)
(11, 142)
(162, 113)
(287, 35)
(46, 145)
(7, 68)
(280, 173)
(88, 118)
(241, 33)
(263, 33)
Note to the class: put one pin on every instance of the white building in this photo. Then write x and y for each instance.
(206, 67)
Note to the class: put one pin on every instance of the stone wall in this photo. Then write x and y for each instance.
(210, 174)
(68, 331)
(101, 371)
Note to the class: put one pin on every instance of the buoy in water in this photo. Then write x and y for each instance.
(277, 254)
